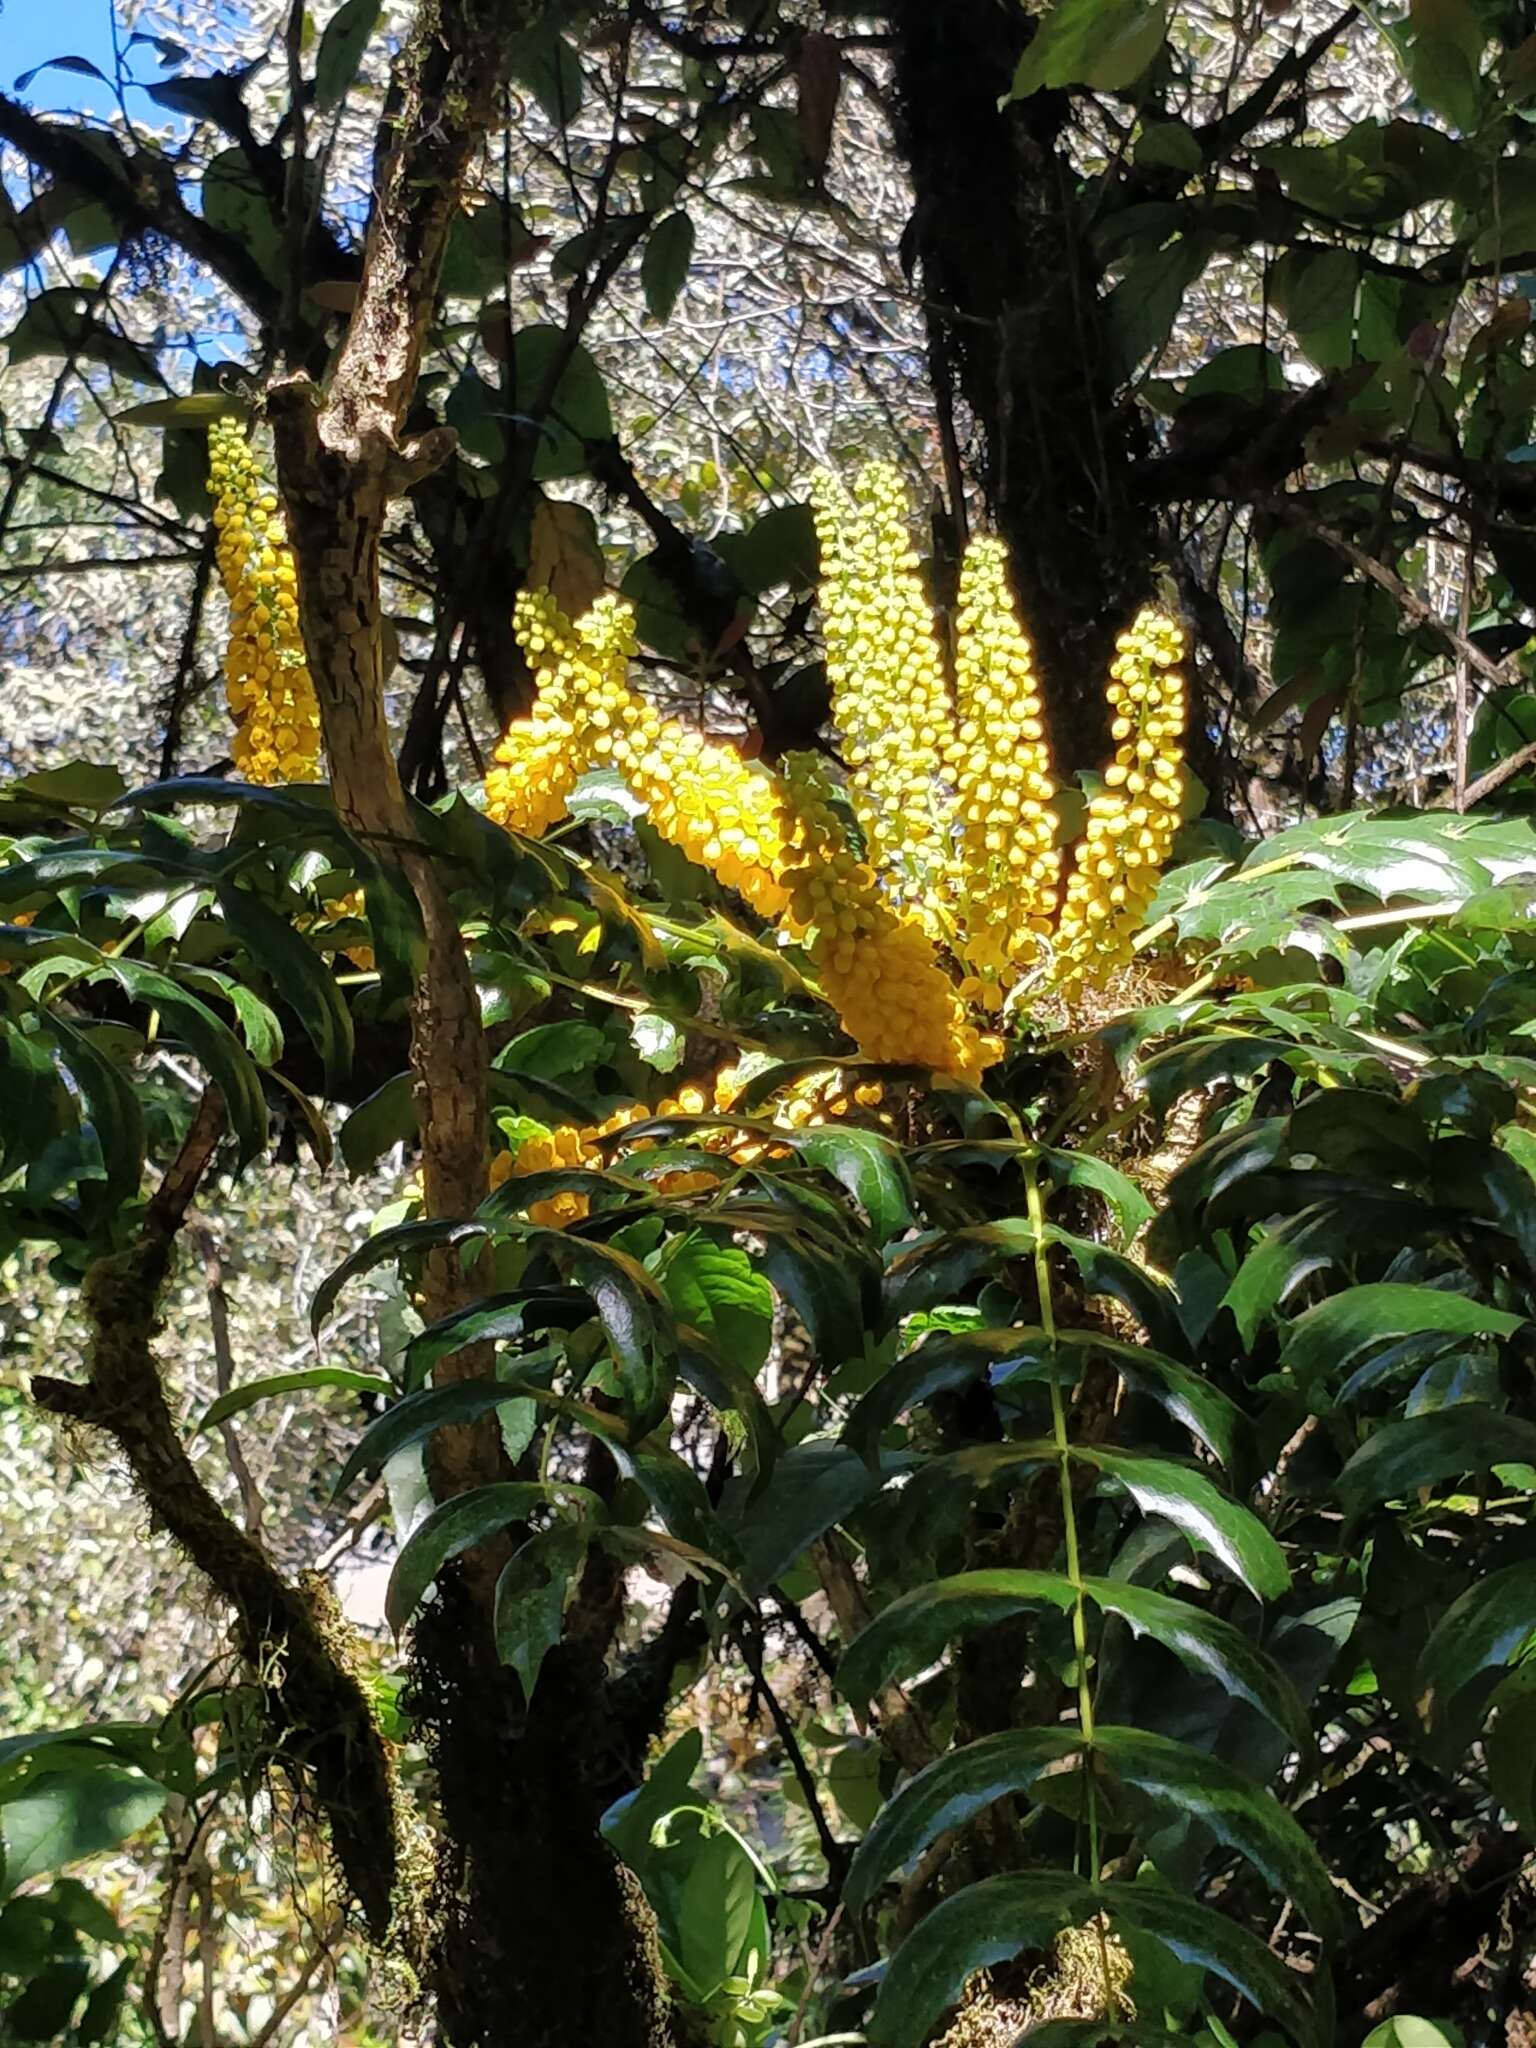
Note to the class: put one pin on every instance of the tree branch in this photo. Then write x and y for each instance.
(324, 1727)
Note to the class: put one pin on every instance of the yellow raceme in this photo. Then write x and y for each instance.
(1004, 870)
(271, 696)
(1132, 821)
(918, 940)
(885, 666)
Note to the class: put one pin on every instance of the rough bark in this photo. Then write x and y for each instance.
(1017, 322)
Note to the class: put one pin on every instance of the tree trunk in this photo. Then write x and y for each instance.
(1017, 325)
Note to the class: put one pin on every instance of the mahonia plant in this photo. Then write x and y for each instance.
(922, 936)
(266, 674)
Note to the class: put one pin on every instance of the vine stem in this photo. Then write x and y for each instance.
(1063, 1444)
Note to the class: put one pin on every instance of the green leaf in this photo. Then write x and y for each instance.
(238, 1399)
(236, 202)
(812, 1488)
(664, 266)
(42, 2009)
(781, 551)
(578, 410)
(59, 1817)
(1510, 1746)
(1146, 300)
(1197, 1934)
(716, 1290)
(1204, 1643)
(948, 1793)
(297, 973)
(1490, 1624)
(1406, 2031)
(976, 1927)
(1210, 1519)
(1239, 1813)
(458, 1525)
(196, 409)
(500, 1317)
(531, 1596)
(716, 1911)
(99, 2017)
(909, 1635)
(1421, 1450)
(1337, 1329)
(113, 1106)
(341, 50)
(211, 1043)
(387, 1117)
(540, 58)
(628, 1824)
(1130, 1206)
(413, 1419)
(400, 1241)
(1106, 44)
(547, 1051)
(869, 1166)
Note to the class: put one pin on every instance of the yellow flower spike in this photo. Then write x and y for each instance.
(267, 680)
(890, 700)
(879, 971)
(1004, 874)
(1131, 823)
(583, 689)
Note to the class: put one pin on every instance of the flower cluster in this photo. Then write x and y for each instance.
(277, 720)
(582, 1145)
(957, 806)
(581, 708)
(723, 812)
(1004, 869)
(1132, 822)
(878, 970)
(885, 666)
(812, 1100)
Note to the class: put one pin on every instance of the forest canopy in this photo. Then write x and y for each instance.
(767, 966)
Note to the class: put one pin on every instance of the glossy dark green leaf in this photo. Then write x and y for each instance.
(1197, 1934)
(212, 1044)
(387, 1117)
(869, 1166)
(1213, 1647)
(1210, 1519)
(298, 974)
(113, 1106)
(1422, 1450)
(1239, 1813)
(813, 1486)
(977, 1927)
(1489, 1625)
(1128, 1204)
(946, 1794)
(457, 1525)
(500, 1318)
(944, 1361)
(531, 1594)
(401, 1241)
(1510, 1746)
(908, 1635)
(307, 1380)
(413, 1419)
(1331, 1334)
